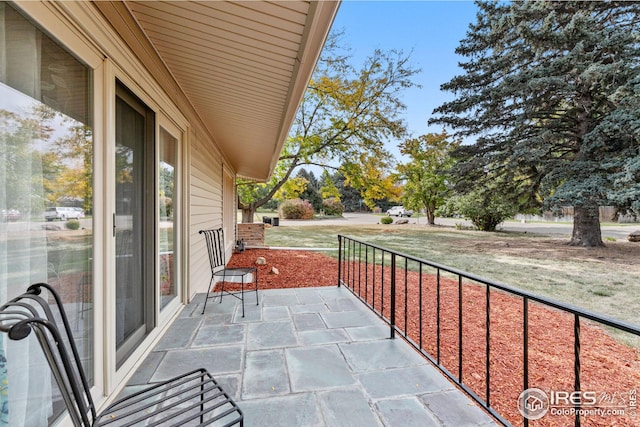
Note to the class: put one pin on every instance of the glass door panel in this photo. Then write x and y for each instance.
(133, 231)
(167, 216)
(46, 164)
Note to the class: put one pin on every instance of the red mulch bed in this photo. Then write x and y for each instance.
(296, 269)
(607, 366)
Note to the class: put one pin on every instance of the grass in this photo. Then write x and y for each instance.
(600, 280)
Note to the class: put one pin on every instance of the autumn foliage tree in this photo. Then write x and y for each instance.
(426, 172)
(550, 90)
(76, 180)
(329, 189)
(345, 117)
(43, 165)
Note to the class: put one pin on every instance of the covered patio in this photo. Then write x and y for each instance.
(309, 357)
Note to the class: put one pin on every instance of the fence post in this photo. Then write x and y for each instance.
(393, 296)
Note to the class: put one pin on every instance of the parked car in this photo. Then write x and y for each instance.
(10, 215)
(399, 211)
(80, 211)
(61, 213)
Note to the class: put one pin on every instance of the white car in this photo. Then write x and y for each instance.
(61, 213)
(399, 211)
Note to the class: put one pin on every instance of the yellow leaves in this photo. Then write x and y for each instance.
(329, 189)
(292, 188)
(326, 85)
(432, 147)
(74, 182)
(369, 177)
(124, 176)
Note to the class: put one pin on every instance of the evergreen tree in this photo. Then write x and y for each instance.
(349, 196)
(311, 193)
(550, 89)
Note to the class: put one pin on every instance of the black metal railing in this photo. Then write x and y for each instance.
(439, 311)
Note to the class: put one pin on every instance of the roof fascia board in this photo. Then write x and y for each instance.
(319, 21)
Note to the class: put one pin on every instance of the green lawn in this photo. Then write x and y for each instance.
(603, 280)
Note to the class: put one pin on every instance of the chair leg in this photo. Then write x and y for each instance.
(224, 276)
(256, 283)
(242, 295)
(206, 297)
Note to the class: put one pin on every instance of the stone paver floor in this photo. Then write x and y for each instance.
(309, 357)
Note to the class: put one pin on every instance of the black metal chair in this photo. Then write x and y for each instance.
(217, 260)
(193, 398)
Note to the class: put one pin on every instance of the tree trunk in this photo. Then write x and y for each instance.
(431, 216)
(586, 227)
(248, 212)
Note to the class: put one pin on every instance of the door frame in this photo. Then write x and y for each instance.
(144, 88)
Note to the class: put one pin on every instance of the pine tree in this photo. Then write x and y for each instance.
(550, 90)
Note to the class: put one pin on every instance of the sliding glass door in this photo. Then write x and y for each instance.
(46, 164)
(134, 222)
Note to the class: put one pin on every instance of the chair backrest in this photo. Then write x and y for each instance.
(215, 247)
(31, 311)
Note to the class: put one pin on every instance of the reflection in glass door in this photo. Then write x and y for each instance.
(133, 222)
(167, 216)
(46, 162)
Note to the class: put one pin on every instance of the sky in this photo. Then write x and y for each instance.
(429, 30)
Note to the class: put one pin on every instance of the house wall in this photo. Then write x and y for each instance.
(230, 208)
(104, 36)
(206, 204)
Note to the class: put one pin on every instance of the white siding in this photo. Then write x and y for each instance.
(206, 204)
(229, 204)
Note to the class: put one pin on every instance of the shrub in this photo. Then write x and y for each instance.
(449, 209)
(332, 207)
(296, 209)
(485, 209)
(386, 220)
(73, 224)
(166, 207)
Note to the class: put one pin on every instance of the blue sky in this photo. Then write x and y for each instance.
(430, 29)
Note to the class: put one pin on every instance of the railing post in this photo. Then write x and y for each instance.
(487, 365)
(366, 273)
(393, 295)
(382, 252)
(421, 301)
(373, 285)
(525, 342)
(438, 316)
(460, 334)
(406, 298)
(576, 362)
(339, 259)
(359, 267)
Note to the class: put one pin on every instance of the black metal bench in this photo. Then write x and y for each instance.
(193, 398)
